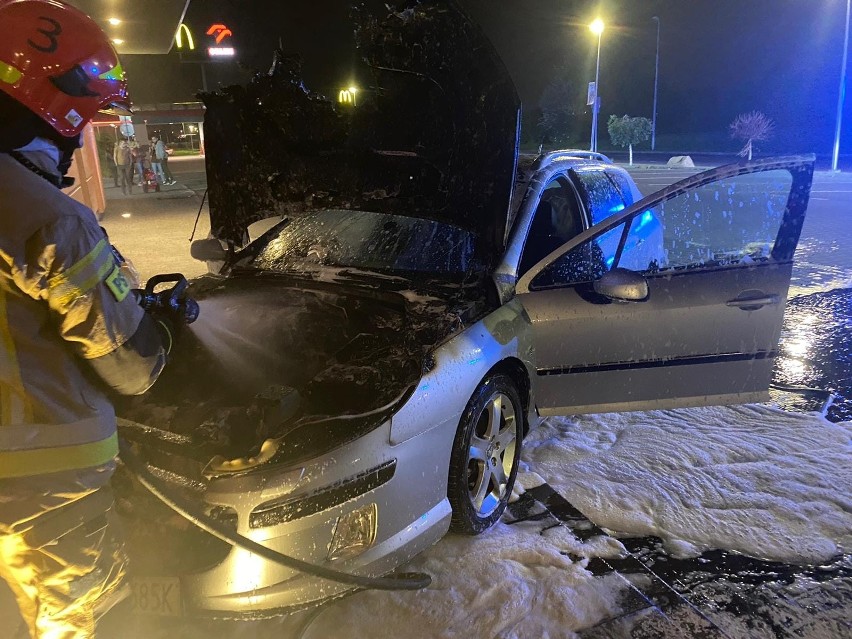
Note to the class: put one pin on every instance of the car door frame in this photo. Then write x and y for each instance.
(544, 171)
(801, 169)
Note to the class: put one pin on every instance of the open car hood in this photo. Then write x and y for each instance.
(435, 136)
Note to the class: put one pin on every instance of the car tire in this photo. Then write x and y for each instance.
(484, 460)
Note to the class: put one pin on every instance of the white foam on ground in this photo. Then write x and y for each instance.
(510, 582)
(750, 479)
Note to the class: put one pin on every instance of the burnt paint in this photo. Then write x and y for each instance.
(435, 136)
(346, 349)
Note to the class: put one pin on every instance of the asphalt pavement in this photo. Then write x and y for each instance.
(153, 230)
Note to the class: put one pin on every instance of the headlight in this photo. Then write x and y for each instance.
(221, 466)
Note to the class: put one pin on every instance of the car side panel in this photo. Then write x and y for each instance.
(461, 364)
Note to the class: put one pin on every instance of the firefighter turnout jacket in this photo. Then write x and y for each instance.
(68, 325)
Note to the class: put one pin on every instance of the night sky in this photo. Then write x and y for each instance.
(718, 58)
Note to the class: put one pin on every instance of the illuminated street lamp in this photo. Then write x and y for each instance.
(841, 94)
(656, 78)
(597, 28)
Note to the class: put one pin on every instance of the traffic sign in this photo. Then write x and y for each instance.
(126, 127)
(592, 94)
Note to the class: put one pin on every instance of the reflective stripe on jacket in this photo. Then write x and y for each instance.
(39, 449)
(62, 301)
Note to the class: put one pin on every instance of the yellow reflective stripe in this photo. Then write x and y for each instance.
(116, 73)
(15, 405)
(9, 74)
(40, 461)
(82, 276)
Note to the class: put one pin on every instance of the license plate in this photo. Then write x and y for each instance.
(156, 595)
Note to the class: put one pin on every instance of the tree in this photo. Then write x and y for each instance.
(557, 109)
(627, 131)
(751, 127)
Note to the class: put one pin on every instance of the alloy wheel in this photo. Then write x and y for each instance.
(491, 454)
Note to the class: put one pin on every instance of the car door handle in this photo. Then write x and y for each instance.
(753, 303)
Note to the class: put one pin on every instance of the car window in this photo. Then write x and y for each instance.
(733, 222)
(368, 240)
(585, 263)
(729, 222)
(602, 197)
(557, 219)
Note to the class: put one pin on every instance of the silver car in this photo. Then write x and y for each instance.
(363, 374)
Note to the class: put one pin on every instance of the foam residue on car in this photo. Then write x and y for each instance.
(434, 135)
(344, 350)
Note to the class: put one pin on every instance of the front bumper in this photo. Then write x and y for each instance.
(295, 511)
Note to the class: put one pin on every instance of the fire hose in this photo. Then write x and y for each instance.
(174, 302)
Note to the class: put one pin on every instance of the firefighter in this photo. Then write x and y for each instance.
(70, 327)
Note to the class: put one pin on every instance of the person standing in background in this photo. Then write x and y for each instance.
(136, 160)
(124, 166)
(113, 169)
(162, 156)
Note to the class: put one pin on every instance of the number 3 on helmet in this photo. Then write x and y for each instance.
(57, 62)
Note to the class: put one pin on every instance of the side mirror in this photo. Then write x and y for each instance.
(622, 285)
(209, 250)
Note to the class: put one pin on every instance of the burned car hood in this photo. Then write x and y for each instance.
(435, 135)
(270, 353)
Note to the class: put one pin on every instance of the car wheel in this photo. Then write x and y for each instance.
(484, 461)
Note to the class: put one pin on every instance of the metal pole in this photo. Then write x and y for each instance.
(656, 78)
(596, 106)
(841, 93)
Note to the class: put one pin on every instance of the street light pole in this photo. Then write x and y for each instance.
(841, 93)
(656, 78)
(596, 27)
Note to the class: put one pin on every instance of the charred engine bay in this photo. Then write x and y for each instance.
(345, 350)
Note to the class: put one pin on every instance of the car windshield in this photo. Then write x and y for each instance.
(365, 240)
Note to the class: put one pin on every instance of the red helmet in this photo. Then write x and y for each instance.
(59, 64)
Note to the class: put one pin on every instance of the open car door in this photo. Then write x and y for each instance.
(688, 315)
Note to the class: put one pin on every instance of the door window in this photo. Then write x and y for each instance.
(734, 221)
(622, 183)
(557, 219)
(727, 223)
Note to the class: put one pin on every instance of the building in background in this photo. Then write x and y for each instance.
(139, 29)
